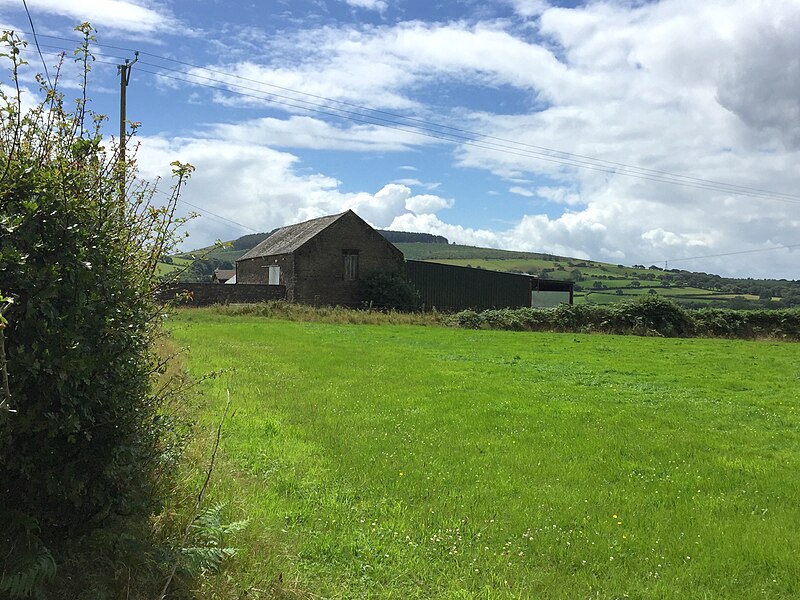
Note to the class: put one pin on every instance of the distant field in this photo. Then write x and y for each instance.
(414, 462)
(177, 263)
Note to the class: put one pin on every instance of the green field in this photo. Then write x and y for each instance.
(425, 462)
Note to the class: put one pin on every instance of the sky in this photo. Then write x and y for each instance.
(629, 131)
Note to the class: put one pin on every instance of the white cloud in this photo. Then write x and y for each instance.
(428, 203)
(707, 90)
(377, 66)
(558, 194)
(134, 17)
(378, 5)
(261, 188)
(412, 182)
(382, 208)
(308, 132)
(521, 191)
(428, 223)
(530, 8)
(379, 209)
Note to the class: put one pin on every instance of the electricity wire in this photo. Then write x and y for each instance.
(36, 41)
(433, 130)
(441, 131)
(671, 260)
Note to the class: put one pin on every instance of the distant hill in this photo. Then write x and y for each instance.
(595, 282)
(407, 237)
(246, 242)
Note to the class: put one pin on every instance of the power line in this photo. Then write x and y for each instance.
(434, 130)
(786, 247)
(505, 149)
(36, 40)
(208, 212)
(442, 131)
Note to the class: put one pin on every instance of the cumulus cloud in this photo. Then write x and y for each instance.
(379, 209)
(761, 84)
(127, 15)
(428, 203)
(393, 200)
(530, 8)
(240, 187)
(706, 90)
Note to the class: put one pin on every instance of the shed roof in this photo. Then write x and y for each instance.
(290, 238)
(224, 274)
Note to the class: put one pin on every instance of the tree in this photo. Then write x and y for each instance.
(78, 258)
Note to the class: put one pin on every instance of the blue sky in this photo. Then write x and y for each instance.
(514, 124)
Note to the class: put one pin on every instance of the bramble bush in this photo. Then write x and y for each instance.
(84, 436)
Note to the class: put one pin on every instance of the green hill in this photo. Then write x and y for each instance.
(595, 282)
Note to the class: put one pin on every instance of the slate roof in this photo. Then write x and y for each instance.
(290, 238)
(224, 274)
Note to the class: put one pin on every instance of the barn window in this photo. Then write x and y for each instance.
(350, 264)
(274, 275)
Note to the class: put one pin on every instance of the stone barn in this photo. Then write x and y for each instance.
(321, 260)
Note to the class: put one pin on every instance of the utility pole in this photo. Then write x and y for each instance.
(124, 72)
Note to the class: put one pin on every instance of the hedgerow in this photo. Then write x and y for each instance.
(648, 315)
(81, 431)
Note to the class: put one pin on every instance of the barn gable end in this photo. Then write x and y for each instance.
(322, 260)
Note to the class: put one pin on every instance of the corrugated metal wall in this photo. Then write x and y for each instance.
(450, 287)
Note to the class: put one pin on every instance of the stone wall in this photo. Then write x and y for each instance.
(256, 271)
(204, 294)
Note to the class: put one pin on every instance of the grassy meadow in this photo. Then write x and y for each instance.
(398, 461)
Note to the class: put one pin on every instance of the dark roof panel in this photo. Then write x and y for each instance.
(290, 238)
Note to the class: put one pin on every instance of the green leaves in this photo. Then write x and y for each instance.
(648, 315)
(208, 549)
(78, 263)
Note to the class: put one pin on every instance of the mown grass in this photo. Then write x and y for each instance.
(400, 461)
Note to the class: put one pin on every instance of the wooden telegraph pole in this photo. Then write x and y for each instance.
(124, 72)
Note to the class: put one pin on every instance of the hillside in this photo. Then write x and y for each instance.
(595, 282)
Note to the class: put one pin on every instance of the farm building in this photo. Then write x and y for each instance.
(223, 275)
(451, 287)
(321, 260)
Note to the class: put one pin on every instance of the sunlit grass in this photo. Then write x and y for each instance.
(404, 461)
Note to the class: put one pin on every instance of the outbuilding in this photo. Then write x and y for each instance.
(321, 260)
